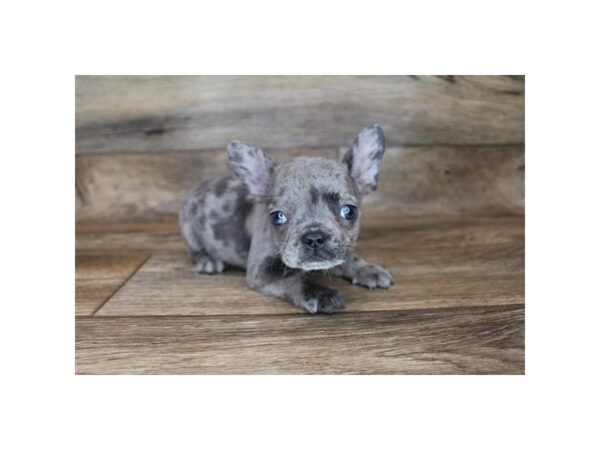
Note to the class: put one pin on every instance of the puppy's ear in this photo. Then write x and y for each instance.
(253, 166)
(364, 156)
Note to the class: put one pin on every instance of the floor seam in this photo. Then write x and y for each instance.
(137, 269)
(500, 306)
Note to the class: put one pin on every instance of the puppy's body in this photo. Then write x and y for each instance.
(236, 221)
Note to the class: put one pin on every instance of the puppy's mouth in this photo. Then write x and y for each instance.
(309, 259)
(316, 262)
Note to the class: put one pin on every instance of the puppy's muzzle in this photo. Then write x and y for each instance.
(314, 240)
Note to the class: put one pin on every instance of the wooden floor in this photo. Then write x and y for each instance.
(457, 306)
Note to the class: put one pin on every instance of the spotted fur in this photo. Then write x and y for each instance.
(227, 222)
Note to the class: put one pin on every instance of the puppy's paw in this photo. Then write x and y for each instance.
(319, 299)
(373, 276)
(204, 264)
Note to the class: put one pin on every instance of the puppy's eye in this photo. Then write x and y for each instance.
(278, 218)
(348, 212)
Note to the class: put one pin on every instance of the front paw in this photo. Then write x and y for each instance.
(373, 276)
(320, 299)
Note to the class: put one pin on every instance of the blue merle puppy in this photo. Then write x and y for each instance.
(282, 221)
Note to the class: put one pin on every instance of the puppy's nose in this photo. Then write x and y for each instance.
(314, 240)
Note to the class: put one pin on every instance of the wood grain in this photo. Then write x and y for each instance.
(483, 340)
(97, 277)
(408, 232)
(436, 263)
(456, 307)
(150, 113)
(132, 237)
(168, 285)
(451, 180)
(425, 180)
(149, 186)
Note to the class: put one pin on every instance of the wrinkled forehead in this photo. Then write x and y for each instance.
(307, 177)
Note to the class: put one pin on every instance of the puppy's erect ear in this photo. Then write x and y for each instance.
(253, 166)
(364, 156)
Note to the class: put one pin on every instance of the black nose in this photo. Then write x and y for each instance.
(314, 240)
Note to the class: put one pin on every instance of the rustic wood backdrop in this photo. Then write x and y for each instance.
(455, 143)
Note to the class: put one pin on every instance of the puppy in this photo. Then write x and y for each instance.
(282, 221)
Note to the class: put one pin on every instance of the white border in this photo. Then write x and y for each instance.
(46, 43)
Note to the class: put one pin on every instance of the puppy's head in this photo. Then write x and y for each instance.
(313, 203)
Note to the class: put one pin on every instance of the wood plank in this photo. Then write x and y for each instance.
(418, 232)
(129, 240)
(437, 264)
(434, 180)
(97, 277)
(150, 113)
(487, 340)
(168, 285)
(451, 180)
(149, 186)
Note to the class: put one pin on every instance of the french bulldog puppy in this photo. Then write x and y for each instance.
(282, 221)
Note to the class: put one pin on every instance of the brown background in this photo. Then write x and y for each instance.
(447, 221)
(455, 144)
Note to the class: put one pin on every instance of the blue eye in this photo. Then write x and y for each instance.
(278, 218)
(348, 212)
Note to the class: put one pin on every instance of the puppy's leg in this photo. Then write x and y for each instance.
(188, 229)
(188, 225)
(266, 273)
(363, 273)
(206, 264)
(271, 277)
